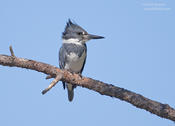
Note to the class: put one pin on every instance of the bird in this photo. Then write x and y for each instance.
(73, 52)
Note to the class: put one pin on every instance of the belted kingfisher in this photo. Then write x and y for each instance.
(72, 54)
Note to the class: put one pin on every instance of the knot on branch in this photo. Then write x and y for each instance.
(11, 51)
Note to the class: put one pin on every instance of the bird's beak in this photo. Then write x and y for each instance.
(90, 36)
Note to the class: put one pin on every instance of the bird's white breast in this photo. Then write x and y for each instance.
(75, 63)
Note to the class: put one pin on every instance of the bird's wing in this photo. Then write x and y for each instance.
(85, 59)
(62, 59)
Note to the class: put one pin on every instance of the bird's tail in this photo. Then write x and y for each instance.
(70, 90)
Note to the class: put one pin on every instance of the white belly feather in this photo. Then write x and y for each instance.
(75, 63)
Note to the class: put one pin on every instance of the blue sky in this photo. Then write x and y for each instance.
(137, 54)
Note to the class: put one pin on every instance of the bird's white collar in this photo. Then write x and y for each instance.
(73, 41)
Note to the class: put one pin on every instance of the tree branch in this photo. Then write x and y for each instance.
(157, 108)
(53, 83)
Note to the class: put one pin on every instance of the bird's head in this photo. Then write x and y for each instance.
(75, 33)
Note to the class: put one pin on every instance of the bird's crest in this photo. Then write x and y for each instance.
(71, 28)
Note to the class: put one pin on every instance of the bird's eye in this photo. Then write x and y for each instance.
(80, 33)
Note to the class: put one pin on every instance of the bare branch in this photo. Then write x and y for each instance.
(53, 83)
(157, 108)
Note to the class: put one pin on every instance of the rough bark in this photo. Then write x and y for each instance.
(157, 108)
